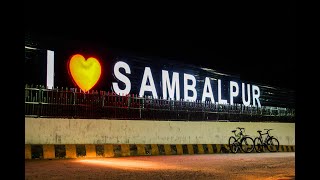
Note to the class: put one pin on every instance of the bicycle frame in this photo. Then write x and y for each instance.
(239, 135)
(264, 141)
(241, 140)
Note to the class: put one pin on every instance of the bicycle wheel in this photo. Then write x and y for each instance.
(233, 144)
(273, 144)
(258, 145)
(247, 144)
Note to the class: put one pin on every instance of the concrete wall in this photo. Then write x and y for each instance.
(98, 131)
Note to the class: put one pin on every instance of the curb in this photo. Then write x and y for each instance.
(51, 151)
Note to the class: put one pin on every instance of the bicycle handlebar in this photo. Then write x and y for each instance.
(242, 131)
(268, 129)
(266, 132)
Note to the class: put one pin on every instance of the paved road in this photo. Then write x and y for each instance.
(255, 166)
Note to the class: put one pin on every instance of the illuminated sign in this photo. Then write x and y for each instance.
(181, 85)
(171, 88)
(85, 73)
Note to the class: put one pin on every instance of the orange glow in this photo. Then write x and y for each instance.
(127, 164)
(85, 73)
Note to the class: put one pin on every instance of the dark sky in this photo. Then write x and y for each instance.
(255, 41)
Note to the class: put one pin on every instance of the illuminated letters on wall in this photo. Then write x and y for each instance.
(220, 100)
(207, 91)
(171, 88)
(86, 74)
(244, 101)
(121, 77)
(147, 76)
(190, 87)
(256, 95)
(233, 93)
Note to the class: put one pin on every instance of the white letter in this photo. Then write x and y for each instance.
(233, 93)
(256, 95)
(50, 69)
(166, 85)
(144, 87)
(246, 103)
(220, 100)
(190, 87)
(121, 77)
(205, 94)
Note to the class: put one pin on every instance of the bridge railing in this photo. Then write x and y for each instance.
(72, 103)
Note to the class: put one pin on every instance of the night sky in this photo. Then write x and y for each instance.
(256, 42)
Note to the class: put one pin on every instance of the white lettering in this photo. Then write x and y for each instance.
(233, 93)
(190, 87)
(121, 77)
(220, 100)
(171, 87)
(207, 94)
(144, 87)
(246, 103)
(174, 85)
(256, 95)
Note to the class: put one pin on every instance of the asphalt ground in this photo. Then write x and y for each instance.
(255, 166)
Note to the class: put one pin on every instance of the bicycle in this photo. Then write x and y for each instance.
(240, 141)
(270, 142)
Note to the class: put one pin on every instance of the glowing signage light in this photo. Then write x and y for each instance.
(246, 103)
(121, 77)
(171, 89)
(220, 100)
(256, 95)
(85, 73)
(190, 87)
(207, 94)
(233, 93)
(50, 69)
(147, 75)
(174, 85)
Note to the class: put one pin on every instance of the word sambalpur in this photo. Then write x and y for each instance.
(171, 87)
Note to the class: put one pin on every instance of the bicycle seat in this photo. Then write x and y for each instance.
(259, 131)
(234, 131)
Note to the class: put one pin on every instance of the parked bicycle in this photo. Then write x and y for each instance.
(270, 142)
(240, 141)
